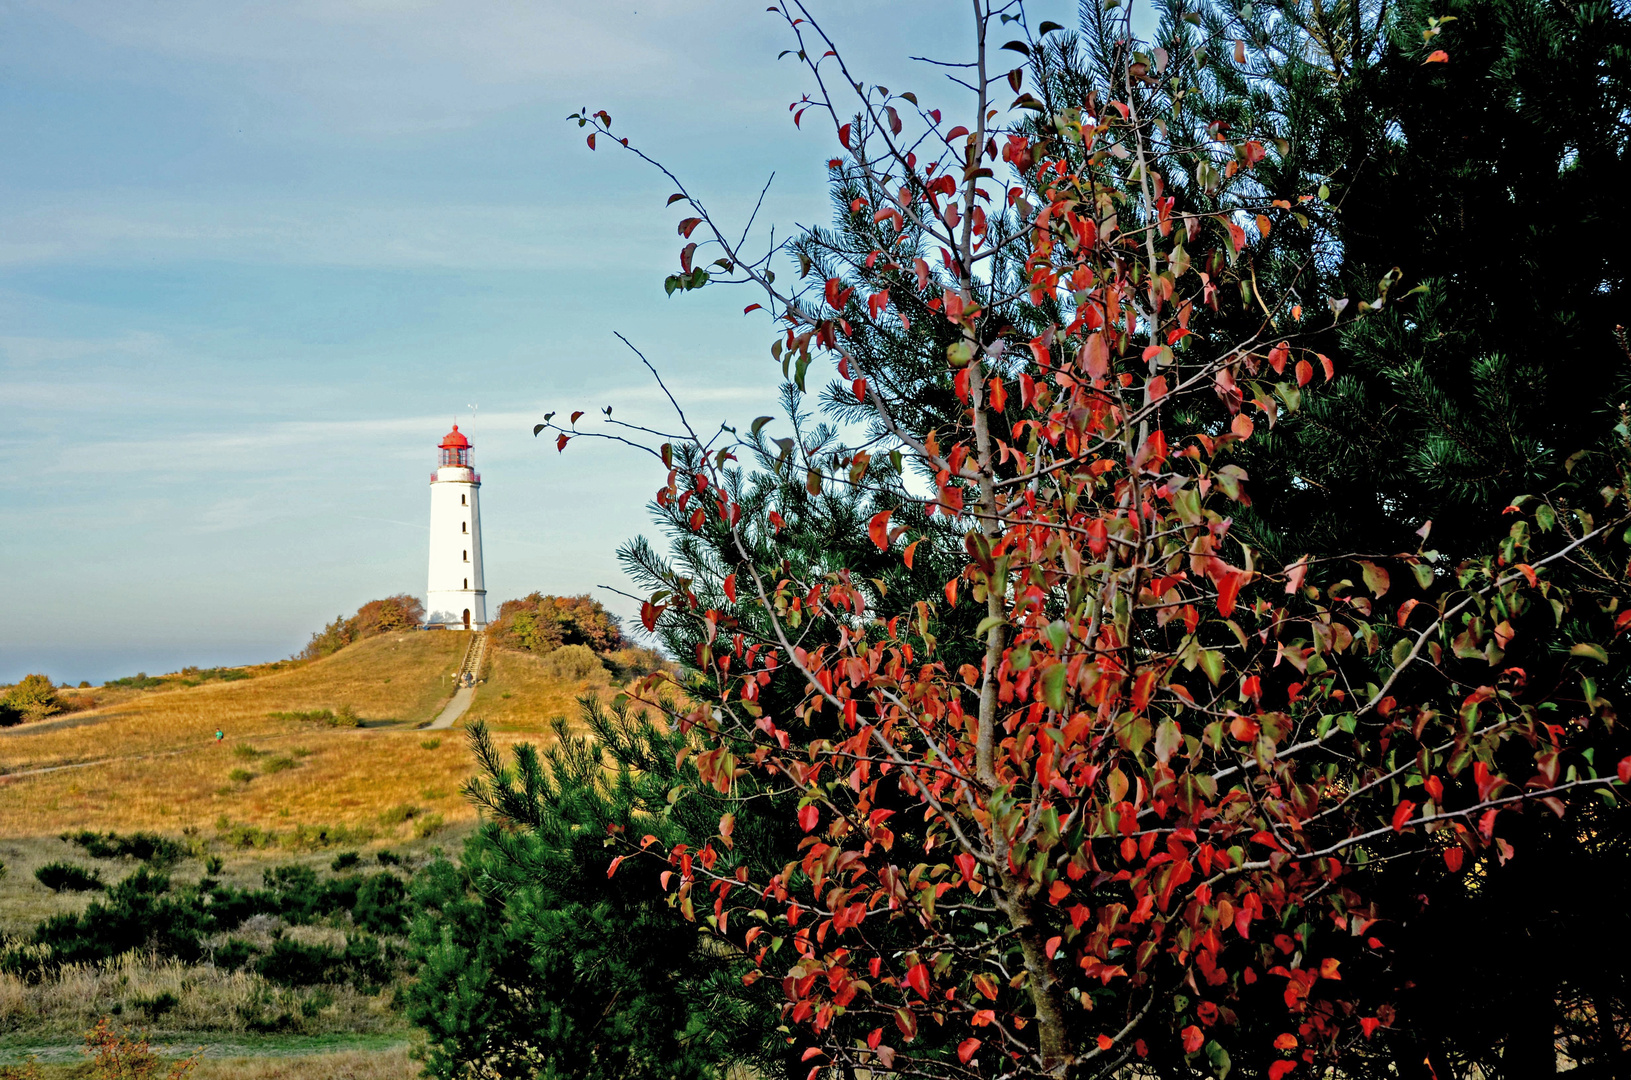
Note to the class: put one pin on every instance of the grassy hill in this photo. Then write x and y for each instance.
(150, 760)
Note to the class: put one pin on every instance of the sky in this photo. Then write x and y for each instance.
(256, 258)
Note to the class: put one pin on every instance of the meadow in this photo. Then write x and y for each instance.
(285, 785)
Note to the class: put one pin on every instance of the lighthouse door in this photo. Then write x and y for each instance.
(467, 618)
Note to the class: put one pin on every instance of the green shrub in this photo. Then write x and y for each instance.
(399, 814)
(429, 744)
(236, 953)
(317, 837)
(429, 825)
(214, 864)
(345, 860)
(161, 851)
(139, 681)
(240, 776)
(33, 696)
(280, 764)
(246, 752)
(389, 858)
(243, 836)
(155, 1006)
(66, 877)
(382, 904)
(293, 964)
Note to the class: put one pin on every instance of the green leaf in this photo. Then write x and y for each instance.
(1053, 687)
(1219, 1057)
(1212, 663)
(987, 623)
(759, 424)
(1590, 651)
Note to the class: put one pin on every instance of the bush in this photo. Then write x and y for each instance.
(431, 744)
(345, 716)
(280, 764)
(345, 860)
(33, 696)
(139, 681)
(245, 752)
(541, 624)
(149, 847)
(382, 904)
(429, 825)
(317, 837)
(236, 953)
(293, 964)
(243, 836)
(390, 615)
(573, 662)
(240, 776)
(66, 877)
(396, 815)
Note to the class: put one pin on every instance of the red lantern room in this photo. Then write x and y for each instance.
(455, 450)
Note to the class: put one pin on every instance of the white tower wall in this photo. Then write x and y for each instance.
(456, 586)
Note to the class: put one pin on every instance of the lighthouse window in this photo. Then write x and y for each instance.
(462, 501)
(467, 583)
(466, 556)
(464, 526)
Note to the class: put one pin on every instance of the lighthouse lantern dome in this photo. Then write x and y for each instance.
(455, 449)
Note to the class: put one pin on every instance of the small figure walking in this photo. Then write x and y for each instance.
(219, 735)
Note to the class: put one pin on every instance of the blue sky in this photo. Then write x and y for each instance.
(254, 258)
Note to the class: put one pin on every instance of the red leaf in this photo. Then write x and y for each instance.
(1192, 1038)
(751, 307)
(591, 142)
(730, 588)
(1285, 1041)
(809, 817)
(1305, 372)
(843, 135)
(814, 1051)
(1330, 368)
(1452, 859)
(1280, 1068)
(1237, 237)
(1228, 589)
(878, 529)
(688, 226)
(612, 869)
(956, 132)
(1369, 1024)
(560, 442)
(685, 257)
(1437, 56)
(1402, 814)
(1053, 943)
(966, 1048)
(1278, 357)
(911, 550)
(1105, 1042)
(1242, 426)
(917, 977)
(1625, 770)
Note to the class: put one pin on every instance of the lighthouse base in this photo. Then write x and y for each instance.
(458, 609)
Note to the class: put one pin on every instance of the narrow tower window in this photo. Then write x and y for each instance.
(462, 501)
(467, 556)
(467, 618)
(464, 526)
(467, 583)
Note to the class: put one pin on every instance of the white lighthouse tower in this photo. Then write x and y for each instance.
(456, 597)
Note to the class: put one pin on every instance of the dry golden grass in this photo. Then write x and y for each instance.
(520, 694)
(392, 1063)
(155, 763)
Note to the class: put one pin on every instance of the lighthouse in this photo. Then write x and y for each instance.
(456, 597)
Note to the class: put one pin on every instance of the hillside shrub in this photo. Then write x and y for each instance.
(66, 877)
(390, 615)
(382, 904)
(292, 964)
(345, 860)
(345, 716)
(139, 681)
(33, 696)
(540, 624)
(148, 847)
(573, 662)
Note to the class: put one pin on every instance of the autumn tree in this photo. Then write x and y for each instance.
(1155, 798)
